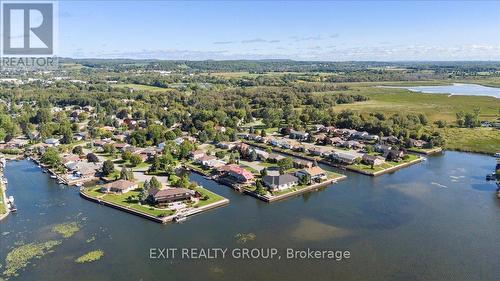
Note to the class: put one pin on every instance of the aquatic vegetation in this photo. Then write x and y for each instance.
(313, 230)
(91, 239)
(245, 237)
(66, 229)
(18, 258)
(90, 256)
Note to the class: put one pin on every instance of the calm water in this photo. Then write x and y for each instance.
(437, 220)
(455, 89)
(458, 89)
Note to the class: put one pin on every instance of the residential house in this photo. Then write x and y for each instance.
(196, 154)
(52, 142)
(344, 157)
(280, 182)
(166, 196)
(416, 143)
(372, 160)
(236, 172)
(315, 173)
(299, 135)
(300, 163)
(119, 187)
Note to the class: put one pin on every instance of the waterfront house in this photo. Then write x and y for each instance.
(236, 172)
(280, 182)
(372, 160)
(119, 187)
(261, 154)
(300, 163)
(319, 151)
(416, 143)
(165, 196)
(273, 157)
(197, 154)
(390, 140)
(393, 155)
(315, 173)
(344, 157)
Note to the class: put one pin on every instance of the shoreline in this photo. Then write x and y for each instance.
(338, 166)
(162, 220)
(307, 189)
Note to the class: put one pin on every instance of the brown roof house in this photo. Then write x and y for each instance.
(315, 173)
(165, 196)
(119, 186)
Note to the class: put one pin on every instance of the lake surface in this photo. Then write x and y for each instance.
(457, 89)
(437, 220)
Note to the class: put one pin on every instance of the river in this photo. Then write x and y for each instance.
(436, 220)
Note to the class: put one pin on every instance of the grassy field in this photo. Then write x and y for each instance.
(138, 87)
(435, 106)
(481, 140)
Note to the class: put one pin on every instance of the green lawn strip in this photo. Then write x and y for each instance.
(212, 197)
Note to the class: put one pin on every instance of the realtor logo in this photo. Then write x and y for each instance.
(28, 33)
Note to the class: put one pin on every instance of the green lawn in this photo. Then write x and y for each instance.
(435, 106)
(212, 197)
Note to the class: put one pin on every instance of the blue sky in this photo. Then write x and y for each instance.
(323, 30)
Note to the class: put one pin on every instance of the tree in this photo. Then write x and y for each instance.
(253, 155)
(155, 183)
(91, 157)
(78, 150)
(263, 172)
(285, 163)
(259, 188)
(108, 167)
(126, 174)
(135, 160)
(126, 155)
(305, 179)
(51, 157)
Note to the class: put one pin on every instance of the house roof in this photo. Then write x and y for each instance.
(169, 192)
(314, 171)
(120, 184)
(280, 180)
(237, 170)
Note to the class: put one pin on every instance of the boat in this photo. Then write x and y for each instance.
(180, 218)
(497, 155)
(44, 171)
(11, 199)
(53, 176)
(5, 181)
(78, 185)
(12, 207)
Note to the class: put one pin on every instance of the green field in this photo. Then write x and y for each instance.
(481, 140)
(435, 106)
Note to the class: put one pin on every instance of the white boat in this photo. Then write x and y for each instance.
(5, 181)
(53, 176)
(180, 218)
(497, 155)
(78, 185)
(11, 199)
